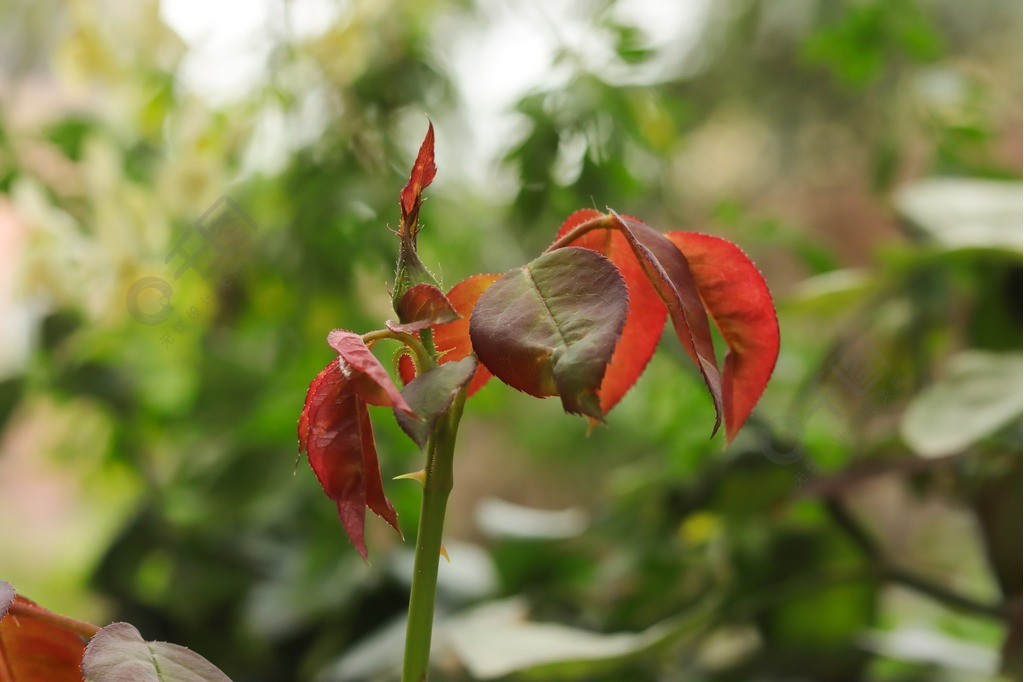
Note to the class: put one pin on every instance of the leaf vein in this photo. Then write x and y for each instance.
(550, 312)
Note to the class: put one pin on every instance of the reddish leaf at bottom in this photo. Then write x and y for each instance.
(335, 434)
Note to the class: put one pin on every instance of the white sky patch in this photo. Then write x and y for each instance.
(511, 48)
(672, 29)
(226, 55)
(494, 61)
(230, 40)
(505, 50)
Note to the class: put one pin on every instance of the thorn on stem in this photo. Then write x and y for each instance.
(418, 476)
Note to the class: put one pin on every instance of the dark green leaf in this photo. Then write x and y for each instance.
(431, 394)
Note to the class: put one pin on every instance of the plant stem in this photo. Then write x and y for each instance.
(424, 360)
(427, 339)
(437, 486)
(601, 222)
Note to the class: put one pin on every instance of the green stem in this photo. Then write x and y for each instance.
(424, 360)
(601, 222)
(427, 339)
(436, 487)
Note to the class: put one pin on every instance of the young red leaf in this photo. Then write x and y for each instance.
(369, 378)
(667, 269)
(118, 652)
(739, 302)
(549, 327)
(37, 644)
(423, 171)
(452, 339)
(421, 306)
(646, 317)
(406, 368)
(410, 270)
(335, 434)
(431, 394)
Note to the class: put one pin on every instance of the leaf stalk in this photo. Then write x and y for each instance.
(422, 358)
(601, 222)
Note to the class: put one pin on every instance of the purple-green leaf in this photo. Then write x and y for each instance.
(550, 327)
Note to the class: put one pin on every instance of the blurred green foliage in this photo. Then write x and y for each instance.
(823, 544)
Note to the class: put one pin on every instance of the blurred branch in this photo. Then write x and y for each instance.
(888, 570)
(833, 486)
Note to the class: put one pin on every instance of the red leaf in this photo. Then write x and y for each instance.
(550, 327)
(423, 171)
(421, 306)
(369, 378)
(647, 313)
(335, 434)
(452, 339)
(667, 269)
(36, 644)
(738, 299)
(406, 368)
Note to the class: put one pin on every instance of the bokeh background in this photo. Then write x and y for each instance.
(866, 525)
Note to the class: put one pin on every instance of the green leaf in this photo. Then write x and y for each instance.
(963, 213)
(550, 327)
(497, 639)
(431, 394)
(832, 293)
(118, 652)
(978, 395)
